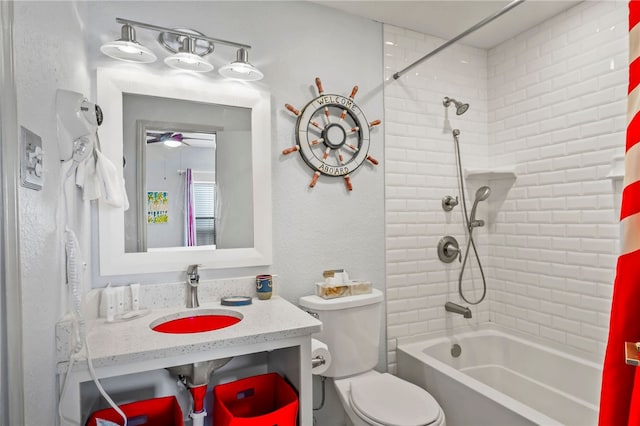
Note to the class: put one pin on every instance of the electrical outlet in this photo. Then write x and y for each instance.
(31, 159)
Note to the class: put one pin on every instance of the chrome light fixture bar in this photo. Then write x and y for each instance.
(188, 48)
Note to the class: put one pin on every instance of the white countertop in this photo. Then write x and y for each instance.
(133, 341)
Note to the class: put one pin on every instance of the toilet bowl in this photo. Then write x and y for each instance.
(381, 399)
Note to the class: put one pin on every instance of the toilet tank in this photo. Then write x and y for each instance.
(351, 330)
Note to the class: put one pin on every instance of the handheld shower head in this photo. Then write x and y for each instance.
(460, 107)
(481, 194)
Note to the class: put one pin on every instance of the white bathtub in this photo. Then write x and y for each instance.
(501, 379)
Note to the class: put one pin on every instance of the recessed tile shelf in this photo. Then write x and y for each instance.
(617, 168)
(490, 174)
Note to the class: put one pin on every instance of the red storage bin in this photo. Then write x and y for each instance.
(164, 411)
(264, 400)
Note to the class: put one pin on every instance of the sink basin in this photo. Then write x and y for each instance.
(196, 321)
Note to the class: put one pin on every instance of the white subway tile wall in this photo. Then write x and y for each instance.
(549, 104)
(420, 170)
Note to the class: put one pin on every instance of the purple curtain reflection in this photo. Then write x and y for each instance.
(189, 211)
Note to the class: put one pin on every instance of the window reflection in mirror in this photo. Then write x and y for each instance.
(204, 217)
(167, 140)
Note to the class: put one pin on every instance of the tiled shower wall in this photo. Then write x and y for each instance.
(548, 105)
(557, 102)
(420, 170)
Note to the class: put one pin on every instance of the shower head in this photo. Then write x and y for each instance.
(460, 107)
(481, 194)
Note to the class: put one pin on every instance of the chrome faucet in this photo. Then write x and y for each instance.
(193, 279)
(457, 309)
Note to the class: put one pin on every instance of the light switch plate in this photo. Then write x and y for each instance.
(31, 159)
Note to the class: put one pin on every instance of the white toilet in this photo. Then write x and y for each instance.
(351, 330)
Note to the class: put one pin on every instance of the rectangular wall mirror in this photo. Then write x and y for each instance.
(196, 157)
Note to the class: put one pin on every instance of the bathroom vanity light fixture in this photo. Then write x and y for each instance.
(188, 48)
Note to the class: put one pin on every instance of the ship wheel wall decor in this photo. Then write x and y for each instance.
(332, 135)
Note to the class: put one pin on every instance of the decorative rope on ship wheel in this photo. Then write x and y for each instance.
(339, 145)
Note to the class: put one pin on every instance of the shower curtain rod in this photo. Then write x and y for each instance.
(443, 46)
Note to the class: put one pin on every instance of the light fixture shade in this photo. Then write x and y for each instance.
(188, 61)
(128, 51)
(241, 69)
(127, 48)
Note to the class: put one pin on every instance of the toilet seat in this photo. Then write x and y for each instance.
(386, 400)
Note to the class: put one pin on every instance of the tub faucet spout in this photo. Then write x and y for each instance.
(193, 279)
(457, 309)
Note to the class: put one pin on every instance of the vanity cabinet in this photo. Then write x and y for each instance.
(273, 336)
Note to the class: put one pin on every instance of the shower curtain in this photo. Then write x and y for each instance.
(620, 394)
(189, 210)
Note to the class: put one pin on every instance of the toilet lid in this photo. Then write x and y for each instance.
(391, 401)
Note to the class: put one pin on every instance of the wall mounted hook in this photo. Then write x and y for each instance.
(448, 203)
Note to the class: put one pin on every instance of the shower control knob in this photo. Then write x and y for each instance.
(448, 249)
(448, 203)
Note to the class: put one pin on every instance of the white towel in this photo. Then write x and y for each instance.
(87, 179)
(112, 182)
(98, 178)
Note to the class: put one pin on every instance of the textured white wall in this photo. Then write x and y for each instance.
(548, 104)
(49, 54)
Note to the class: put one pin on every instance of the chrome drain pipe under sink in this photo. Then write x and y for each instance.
(196, 377)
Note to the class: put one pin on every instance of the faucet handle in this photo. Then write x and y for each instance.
(451, 250)
(192, 274)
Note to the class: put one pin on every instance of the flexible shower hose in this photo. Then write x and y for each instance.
(469, 228)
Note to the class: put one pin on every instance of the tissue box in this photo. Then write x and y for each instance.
(352, 288)
(331, 291)
(359, 287)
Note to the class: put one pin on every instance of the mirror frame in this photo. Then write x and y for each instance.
(111, 83)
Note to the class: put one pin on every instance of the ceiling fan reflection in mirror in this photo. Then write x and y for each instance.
(176, 139)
